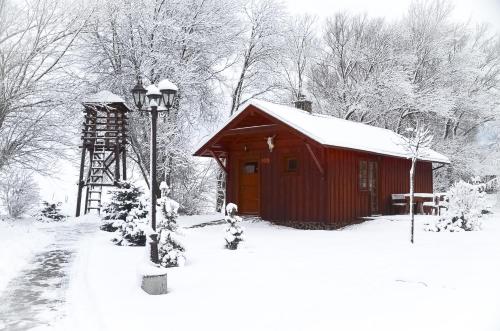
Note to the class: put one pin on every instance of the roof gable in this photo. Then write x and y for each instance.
(253, 119)
(334, 132)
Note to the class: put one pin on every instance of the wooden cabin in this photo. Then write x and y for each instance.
(302, 169)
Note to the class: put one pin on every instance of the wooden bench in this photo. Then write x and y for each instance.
(398, 203)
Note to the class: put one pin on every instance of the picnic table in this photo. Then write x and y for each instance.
(420, 198)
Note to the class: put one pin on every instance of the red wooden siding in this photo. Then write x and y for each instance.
(285, 197)
(348, 203)
(395, 178)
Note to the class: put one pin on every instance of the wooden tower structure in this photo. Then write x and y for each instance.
(104, 139)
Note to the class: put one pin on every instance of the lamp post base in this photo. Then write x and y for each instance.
(152, 242)
(154, 284)
(153, 277)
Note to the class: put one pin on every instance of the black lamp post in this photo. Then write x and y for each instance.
(160, 99)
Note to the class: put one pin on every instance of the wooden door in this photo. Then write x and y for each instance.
(373, 186)
(249, 187)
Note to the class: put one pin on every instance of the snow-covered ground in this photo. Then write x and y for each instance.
(35, 261)
(19, 241)
(364, 277)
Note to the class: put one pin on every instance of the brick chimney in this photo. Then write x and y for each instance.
(303, 103)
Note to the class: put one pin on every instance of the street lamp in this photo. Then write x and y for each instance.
(168, 91)
(139, 94)
(160, 99)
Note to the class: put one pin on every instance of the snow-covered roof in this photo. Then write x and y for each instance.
(333, 131)
(104, 97)
(336, 132)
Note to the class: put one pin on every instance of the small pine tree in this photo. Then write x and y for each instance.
(170, 249)
(132, 231)
(234, 233)
(51, 213)
(124, 202)
(126, 216)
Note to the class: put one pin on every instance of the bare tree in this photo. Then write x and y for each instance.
(36, 37)
(355, 69)
(300, 50)
(19, 193)
(426, 67)
(455, 74)
(417, 143)
(258, 57)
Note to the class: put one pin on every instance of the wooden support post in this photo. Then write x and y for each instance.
(117, 161)
(124, 163)
(218, 161)
(438, 167)
(88, 176)
(80, 183)
(316, 161)
(124, 147)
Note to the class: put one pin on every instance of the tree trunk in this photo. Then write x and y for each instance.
(412, 192)
(140, 161)
(236, 97)
(221, 191)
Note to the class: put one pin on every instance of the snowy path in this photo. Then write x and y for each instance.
(35, 297)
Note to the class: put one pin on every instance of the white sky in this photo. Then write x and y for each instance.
(475, 10)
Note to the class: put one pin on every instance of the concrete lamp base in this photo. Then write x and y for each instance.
(154, 280)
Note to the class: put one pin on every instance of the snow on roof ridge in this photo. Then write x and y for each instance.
(324, 115)
(325, 138)
(104, 96)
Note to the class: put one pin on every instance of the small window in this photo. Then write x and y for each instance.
(250, 167)
(291, 165)
(363, 176)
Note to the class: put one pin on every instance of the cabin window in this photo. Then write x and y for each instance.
(251, 167)
(291, 164)
(363, 175)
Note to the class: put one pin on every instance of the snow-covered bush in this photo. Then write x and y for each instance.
(234, 233)
(170, 248)
(132, 231)
(51, 213)
(19, 192)
(466, 204)
(125, 202)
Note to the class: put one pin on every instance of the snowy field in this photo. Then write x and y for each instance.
(364, 277)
